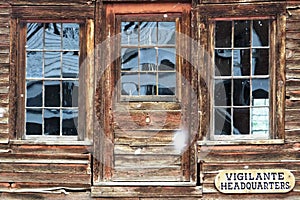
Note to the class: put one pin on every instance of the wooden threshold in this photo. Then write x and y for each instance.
(139, 190)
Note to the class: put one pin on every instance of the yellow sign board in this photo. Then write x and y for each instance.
(255, 181)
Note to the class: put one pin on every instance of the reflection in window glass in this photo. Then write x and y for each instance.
(34, 121)
(69, 126)
(147, 50)
(241, 78)
(52, 70)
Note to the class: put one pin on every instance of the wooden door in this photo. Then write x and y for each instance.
(147, 101)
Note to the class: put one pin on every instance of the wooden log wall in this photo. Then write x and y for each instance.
(4, 69)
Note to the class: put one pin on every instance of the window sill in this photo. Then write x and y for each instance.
(239, 142)
(54, 142)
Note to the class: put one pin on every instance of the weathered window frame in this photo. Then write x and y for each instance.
(44, 14)
(277, 65)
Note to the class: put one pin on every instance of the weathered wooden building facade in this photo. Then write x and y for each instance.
(138, 99)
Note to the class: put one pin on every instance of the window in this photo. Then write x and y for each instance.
(243, 87)
(148, 59)
(53, 63)
(52, 69)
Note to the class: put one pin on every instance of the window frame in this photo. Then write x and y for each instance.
(272, 73)
(171, 17)
(45, 14)
(257, 11)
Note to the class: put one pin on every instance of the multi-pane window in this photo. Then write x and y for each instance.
(241, 79)
(148, 59)
(52, 83)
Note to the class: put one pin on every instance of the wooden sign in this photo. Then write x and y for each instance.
(255, 181)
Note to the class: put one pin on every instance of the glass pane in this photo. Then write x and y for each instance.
(148, 31)
(260, 119)
(222, 96)
(70, 93)
(223, 59)
(53, 36)
(166, 59)
(166, 32)
(69, 122)
(222, 120)
(71, 36)
(260, 88)
(166, 83)
(52, 64)
(35, 35)
(148, 59)
(34, 64)
(241, 62)
(52, 93)
(130, 84)
(241, 121)
(241, 92)
(242, 33)
(52, 122)
(34, 121)
(260, 61)
(129, 33)
(148, 84)
(129, 59)
(223, 34)
(260, 33)
(70, 64)
(34, 93)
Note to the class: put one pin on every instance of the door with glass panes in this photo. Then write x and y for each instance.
(150, 136)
